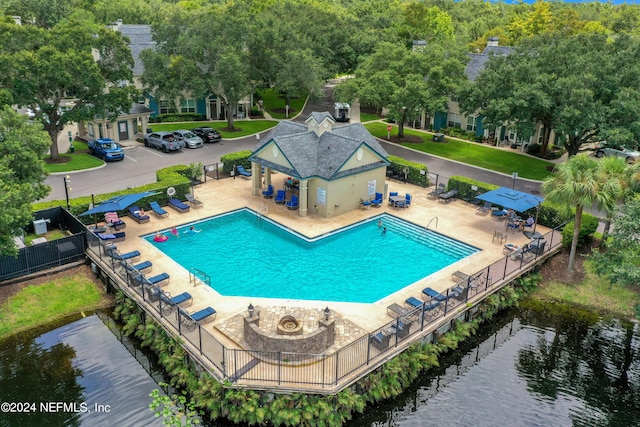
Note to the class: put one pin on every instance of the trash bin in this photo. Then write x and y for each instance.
(438, 137)
(40, 226)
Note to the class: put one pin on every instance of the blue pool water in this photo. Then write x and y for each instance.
(248, 256)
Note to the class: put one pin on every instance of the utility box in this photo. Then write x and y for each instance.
(40, 226)
(438, 137)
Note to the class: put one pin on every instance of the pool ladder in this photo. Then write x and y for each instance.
(264, 211)
(195, 275)
(431, 220)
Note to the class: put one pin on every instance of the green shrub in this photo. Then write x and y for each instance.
(534, 149)
(588, 226)
(414, 176)
(465, 187)
(231, 160)
(177, 117)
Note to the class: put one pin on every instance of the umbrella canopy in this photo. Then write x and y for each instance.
(519, 201)
(118, 203)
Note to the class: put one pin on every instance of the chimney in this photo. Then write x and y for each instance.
(492, 41)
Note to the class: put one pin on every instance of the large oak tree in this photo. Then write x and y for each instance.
(77, 60)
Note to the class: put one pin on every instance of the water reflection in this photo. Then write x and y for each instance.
(529, 368)
(79, 364)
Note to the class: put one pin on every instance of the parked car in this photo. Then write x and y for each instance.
(630, 156)
(166, 141)
(190, 139)
(208, 134)
(106, 149)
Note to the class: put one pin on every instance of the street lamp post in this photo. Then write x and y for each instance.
(67, 188)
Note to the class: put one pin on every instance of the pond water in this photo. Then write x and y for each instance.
(526, 368)
(78, 374)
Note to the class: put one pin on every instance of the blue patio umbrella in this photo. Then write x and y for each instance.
(118, 203)
(508, 198)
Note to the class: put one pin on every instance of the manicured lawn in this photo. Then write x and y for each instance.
(275, 104)
(80, 160)
(594, 293)
(472, 153)
(368, 117)
(41, 304)
(245, 127)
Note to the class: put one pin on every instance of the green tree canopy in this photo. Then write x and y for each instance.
(23, 146)
(584, 87)
(40, 68)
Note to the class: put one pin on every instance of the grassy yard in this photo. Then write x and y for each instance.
(472, 153)
(592, 293)
(79, 160)
(368, 117)
(275, 104)
(37, 305)
(244, 127)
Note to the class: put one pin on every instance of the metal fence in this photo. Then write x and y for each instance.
(46, 255)
(316, 371)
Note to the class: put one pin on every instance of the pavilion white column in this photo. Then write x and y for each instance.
(256, 179)
(304, 196)
(267, 177)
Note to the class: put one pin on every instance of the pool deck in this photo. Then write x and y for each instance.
(456, 219)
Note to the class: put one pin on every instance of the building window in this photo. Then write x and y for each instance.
(188, 106)
(472, 123)
(91, 131)
(166, 107)
(455, 121)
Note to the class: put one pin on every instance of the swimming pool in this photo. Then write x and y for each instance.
(246, 255)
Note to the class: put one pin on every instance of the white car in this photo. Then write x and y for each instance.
(190, 139)
(630, 156)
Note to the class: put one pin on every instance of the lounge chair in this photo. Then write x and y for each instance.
(115, 237)
(138, 215)
(484, 209)
(281, 197)
(178, 205)
(432, 294)
(161, 279)
(138, 267)
(459, 276)
(438, 191)
(448, 196)
(377, 201)
(413, 302)
(191, 320)
(293, 203)
(158, 210)
(396, 310)
(112, 220)
(170, 302)
(268, 193)
(243, 172)
(195, 203)
(113, 252)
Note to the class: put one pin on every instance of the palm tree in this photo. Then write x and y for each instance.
(613, 168)
(576, 184)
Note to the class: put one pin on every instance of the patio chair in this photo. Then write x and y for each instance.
(157, 209)
(281, 197)
(293, 203)
(179, 205)
(438, 191)
(413, 302)
(484, 209)
(407, 199)
(195, 203)
(138, 214)
(499, 236)
(268, 193)
(381, 339)
(112, 220)
(448, 196)
(243, 172)
(377, 201)
(364, 203)
(392, 194)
